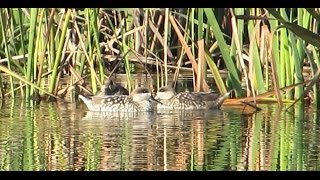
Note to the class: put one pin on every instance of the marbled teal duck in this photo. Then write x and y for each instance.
(139, 100)
(170, 100)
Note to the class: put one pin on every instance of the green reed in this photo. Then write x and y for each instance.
(297, 43)
(32, 31)
(262, 49)
(94, 25)
(8, 55)
(235, 79)
(57, 59)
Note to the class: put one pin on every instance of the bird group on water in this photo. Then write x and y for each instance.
(115, 98)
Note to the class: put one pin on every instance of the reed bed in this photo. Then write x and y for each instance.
(269, 54)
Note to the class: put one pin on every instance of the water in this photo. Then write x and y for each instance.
(64, 136)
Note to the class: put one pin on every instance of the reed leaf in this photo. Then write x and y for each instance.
(23, 50)
(33, 22)
(91, 54)
(4, 37)
(236, 48)
(216, 74)
(15, 75)
(235, 80)
(315, 14)
(255, 61)
(165, 44)
(301, 32)
(94, 26)
(186, 48)
(57, 60)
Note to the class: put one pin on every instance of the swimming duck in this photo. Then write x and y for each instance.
(188, 100)
(139, 100)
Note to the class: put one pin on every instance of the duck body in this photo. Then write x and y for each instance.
(188, 100)
(140, 100)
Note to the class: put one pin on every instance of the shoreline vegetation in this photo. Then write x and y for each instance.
(265, 54)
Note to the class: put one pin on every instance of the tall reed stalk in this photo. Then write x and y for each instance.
(262, 50)
(57, 59)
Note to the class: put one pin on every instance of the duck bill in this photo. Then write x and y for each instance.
(152, 99)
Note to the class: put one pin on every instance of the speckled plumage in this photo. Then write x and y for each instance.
(188, 100)
(139, 100)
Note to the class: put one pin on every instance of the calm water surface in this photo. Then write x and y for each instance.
(65, 136)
